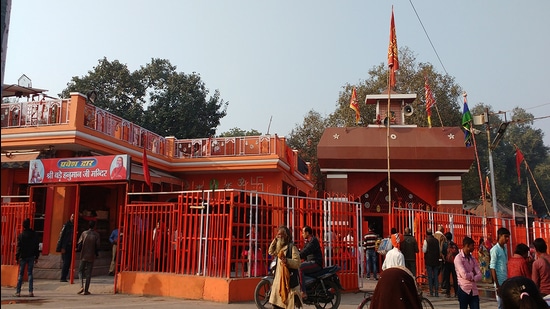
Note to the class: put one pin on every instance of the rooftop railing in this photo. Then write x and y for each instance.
(112, 125)
(56, 112)
(34, 113)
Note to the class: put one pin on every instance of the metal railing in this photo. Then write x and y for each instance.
(34, 113)
(13, 214)
(109, 124)
(226, 233)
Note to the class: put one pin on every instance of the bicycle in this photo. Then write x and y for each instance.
(365, 304)
(421, 280)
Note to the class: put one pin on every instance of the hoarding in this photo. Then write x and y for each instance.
(80, 169)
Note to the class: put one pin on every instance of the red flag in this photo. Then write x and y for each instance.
(355, 106)
(519, 159)
(430, 101)
(393, 62)
(146, 173)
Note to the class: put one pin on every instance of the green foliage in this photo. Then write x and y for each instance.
(305, 138)
(118, 90)
(240, 132)
(519, 133)
(410, 79)
(178, 104)
(448, 112)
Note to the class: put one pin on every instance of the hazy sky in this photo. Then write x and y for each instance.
(283, 58)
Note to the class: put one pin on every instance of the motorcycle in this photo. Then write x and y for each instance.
(323, 288)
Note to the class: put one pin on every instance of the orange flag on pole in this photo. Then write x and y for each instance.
(393, 61)
(355, 106)
(430, 101)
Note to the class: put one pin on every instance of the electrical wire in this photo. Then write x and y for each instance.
(430, 40)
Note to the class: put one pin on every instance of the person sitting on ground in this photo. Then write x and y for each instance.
(521, 293)
(396, 288)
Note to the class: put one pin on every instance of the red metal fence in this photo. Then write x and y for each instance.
(226, 233)
(461, 225)
(13, 214)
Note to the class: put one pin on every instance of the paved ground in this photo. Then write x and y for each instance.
(55, 294)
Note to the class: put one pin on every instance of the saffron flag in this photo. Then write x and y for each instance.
(146, 173)
(430, 101)
(519, 159)
(467, 123)
(393, 61)
(355, 106)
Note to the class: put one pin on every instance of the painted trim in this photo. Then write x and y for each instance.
(448, 178)
(337, 176)
(337, 170)
(449, 202)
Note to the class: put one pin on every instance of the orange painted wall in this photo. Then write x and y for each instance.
(254, 181)
(187, 287)
(9, 275)
(337, 185)
(11, 178)
(450, 190)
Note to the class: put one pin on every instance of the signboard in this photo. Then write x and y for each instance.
(80, 169)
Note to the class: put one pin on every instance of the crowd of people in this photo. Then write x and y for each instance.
(521, 280)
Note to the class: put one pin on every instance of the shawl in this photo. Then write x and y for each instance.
(284, 287)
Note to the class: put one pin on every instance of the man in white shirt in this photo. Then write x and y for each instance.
(394, 257)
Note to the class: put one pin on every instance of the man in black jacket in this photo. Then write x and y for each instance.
(311, 254)
(65, 245)
(27, 254)
(409, 248)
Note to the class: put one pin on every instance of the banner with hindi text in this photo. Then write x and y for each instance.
(80, 169)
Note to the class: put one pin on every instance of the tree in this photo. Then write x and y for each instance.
(410, 79)
(448, 96)
(118, 90)
(178, 104)
(181, 108)
(305, 138)
(240, 132)
(519, 132)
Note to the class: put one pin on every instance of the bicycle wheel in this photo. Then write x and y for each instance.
(426, 303)
(365, 304)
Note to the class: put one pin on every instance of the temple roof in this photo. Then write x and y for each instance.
(363, 149)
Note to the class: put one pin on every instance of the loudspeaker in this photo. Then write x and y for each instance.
(408, 110)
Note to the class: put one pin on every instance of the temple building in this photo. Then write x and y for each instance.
(425, 164)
